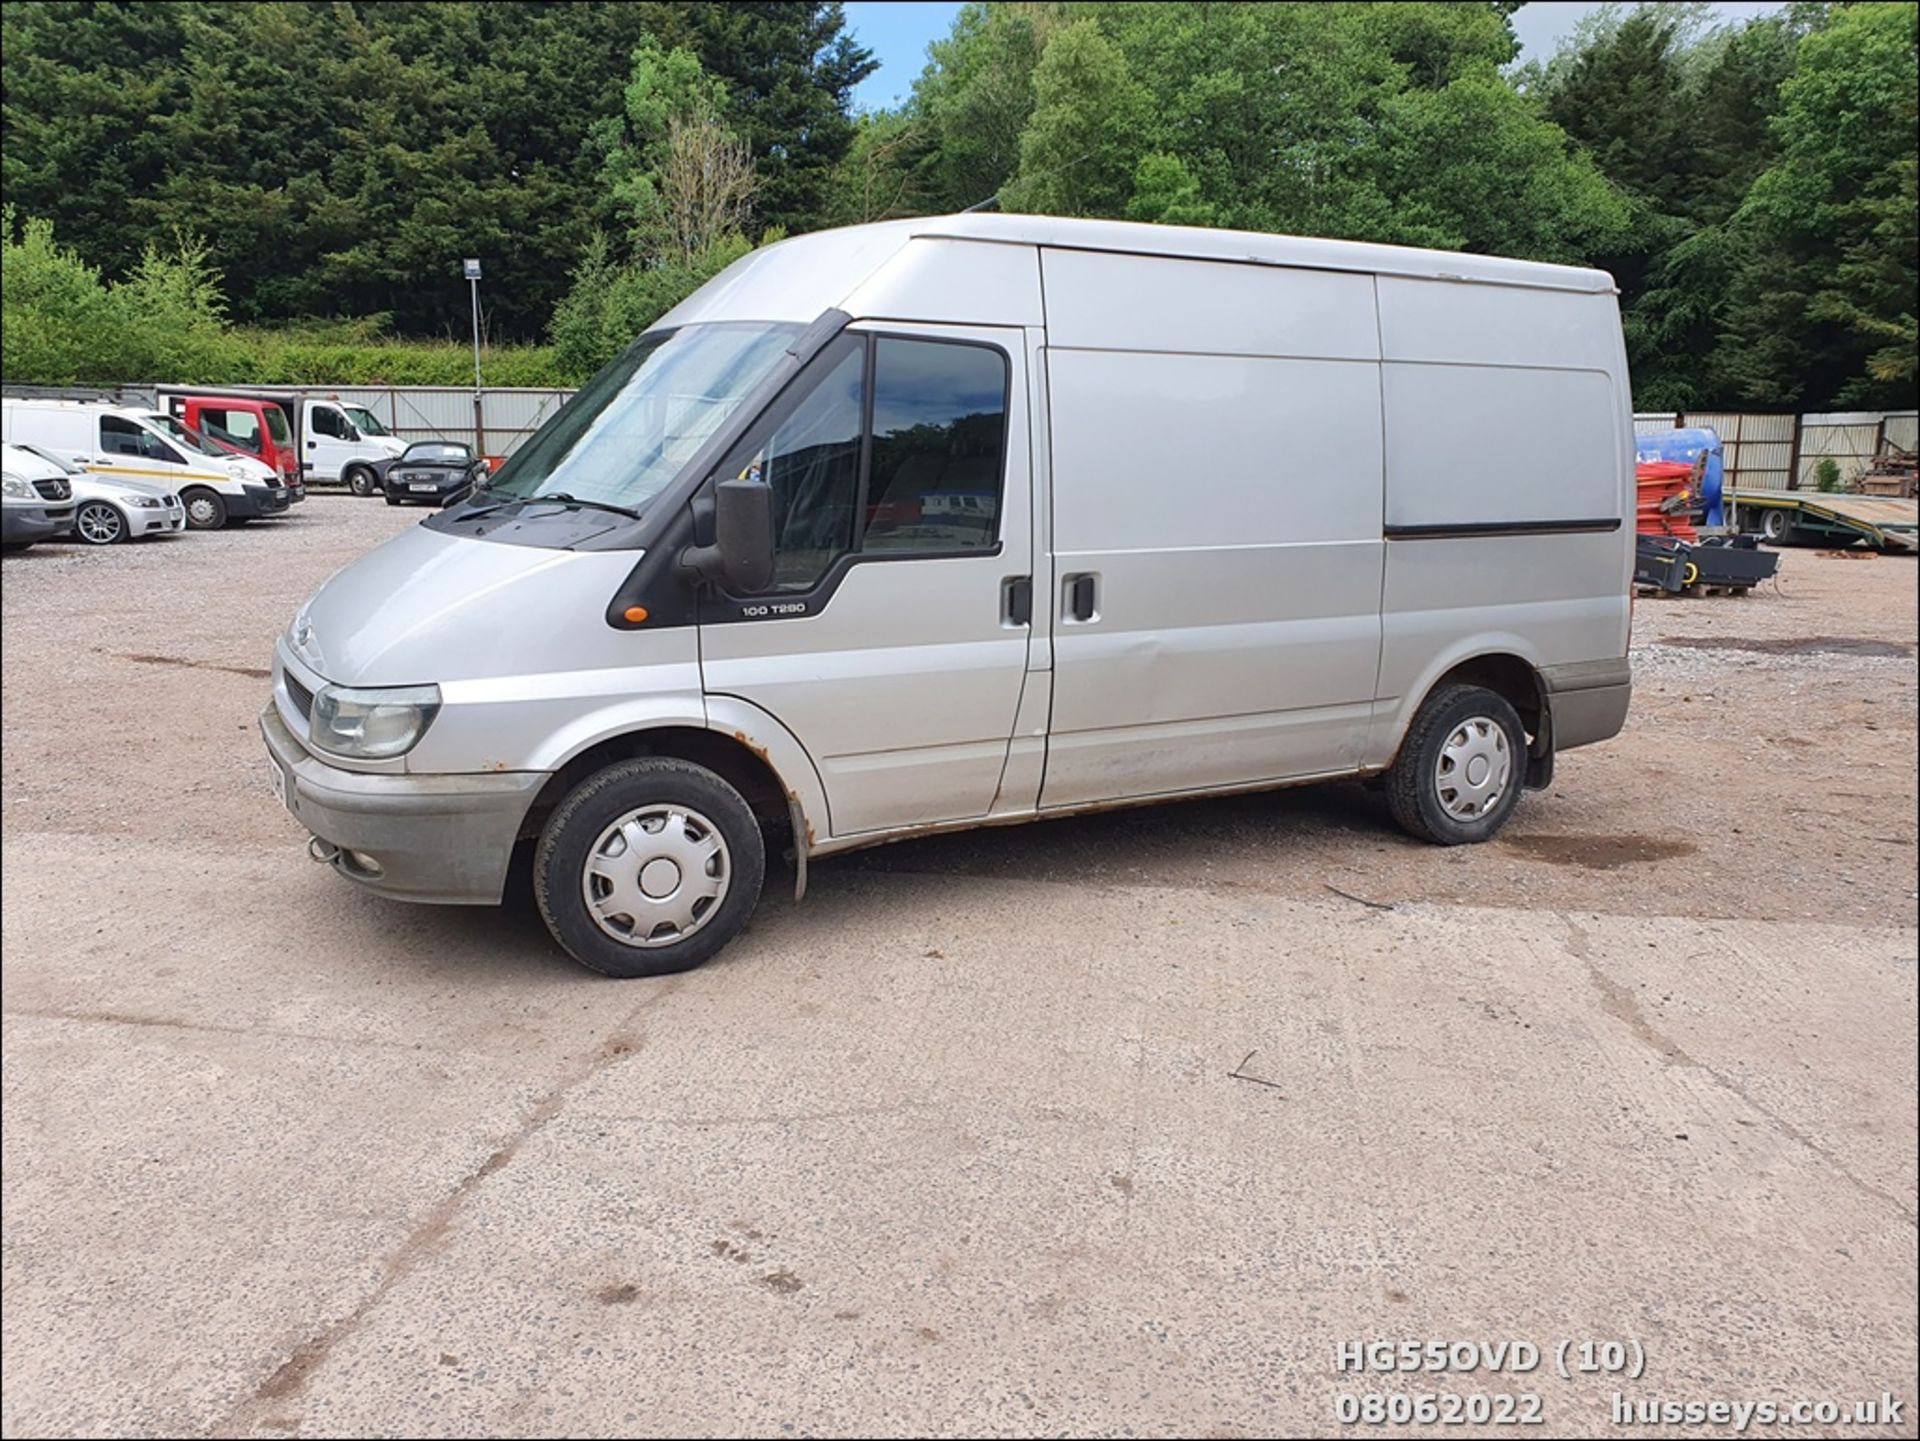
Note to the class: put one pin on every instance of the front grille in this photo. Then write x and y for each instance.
(53, 489)
(301, 697)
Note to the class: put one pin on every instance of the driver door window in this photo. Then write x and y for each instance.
(909, 464)
(329, 422)
(812, 463)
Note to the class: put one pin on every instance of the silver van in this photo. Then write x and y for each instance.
(978, 519)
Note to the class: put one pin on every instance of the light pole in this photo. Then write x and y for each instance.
(479, 420)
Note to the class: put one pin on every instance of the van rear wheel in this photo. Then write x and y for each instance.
(649, 867)
(205, 509)
(1461, 768)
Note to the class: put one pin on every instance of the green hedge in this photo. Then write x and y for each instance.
(63, 324)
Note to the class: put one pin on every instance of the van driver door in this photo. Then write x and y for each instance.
(328, 441)
(893, 640)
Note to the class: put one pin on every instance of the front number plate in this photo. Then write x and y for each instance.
(428, 488)
(277, 777)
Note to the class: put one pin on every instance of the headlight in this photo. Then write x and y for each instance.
(372, 724)
(18, 488)
(145, 502)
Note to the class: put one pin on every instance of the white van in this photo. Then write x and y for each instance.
(128, 443)
(976, 519)
(306, 433)
(36, 499)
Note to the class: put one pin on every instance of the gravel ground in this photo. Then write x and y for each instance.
(1115, 1124)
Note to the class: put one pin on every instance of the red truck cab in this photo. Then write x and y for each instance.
(258, 427)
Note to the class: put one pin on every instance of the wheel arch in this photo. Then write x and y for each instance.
(1508, 672)
(743, 745)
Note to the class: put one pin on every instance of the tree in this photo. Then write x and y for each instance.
(1080, 146)
(676, 178)
(789, 71)
(975, 98)
(1823, 310)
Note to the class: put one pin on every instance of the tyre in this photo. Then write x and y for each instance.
(205, 509)
(1461, 768)
(360, 480)
(97, 523)
(1774, 526)
(649, 867)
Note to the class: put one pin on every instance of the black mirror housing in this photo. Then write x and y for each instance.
(742, 551)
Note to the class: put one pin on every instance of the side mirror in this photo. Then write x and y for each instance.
(742, 549)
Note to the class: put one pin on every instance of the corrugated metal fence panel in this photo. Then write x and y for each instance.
(1903, 430)
(1848, 440)
(424, 412)
(1759, 447)
(1651, 422)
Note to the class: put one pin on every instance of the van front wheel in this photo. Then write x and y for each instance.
(205, 509)
(360, 480)
(649, 867)
(1461, 768)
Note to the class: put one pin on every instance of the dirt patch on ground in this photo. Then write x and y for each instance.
(1810, 645)
(1599, 853)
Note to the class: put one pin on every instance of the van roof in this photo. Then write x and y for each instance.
(1194, 243)
(96, 407)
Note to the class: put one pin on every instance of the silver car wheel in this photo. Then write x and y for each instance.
(656, 875)
(100, 524)
(200, 510)
(1474, 769)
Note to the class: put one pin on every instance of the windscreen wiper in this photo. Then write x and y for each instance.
(559, 497)
(568, 499)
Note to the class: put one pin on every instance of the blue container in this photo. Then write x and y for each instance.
(1683, 446)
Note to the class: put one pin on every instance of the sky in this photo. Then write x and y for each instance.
(899, 31)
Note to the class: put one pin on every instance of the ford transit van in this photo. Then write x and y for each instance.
(979, 519)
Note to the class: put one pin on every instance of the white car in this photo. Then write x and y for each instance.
(110, 510)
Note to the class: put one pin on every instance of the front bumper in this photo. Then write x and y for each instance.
(255, 501)
(167, 520)
(441, 838)
(24, 524)
(399, 488)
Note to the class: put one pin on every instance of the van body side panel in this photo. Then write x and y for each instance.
(1504, 407)
(1224, 496)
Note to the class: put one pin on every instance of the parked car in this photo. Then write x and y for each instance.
(1245, 531)
(128, 443)
(433, 472)
(36, 502)
(108, 510)
(335, 441)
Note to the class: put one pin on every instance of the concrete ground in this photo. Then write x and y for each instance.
(1120, 1125)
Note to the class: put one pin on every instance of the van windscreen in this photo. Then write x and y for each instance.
(631, 428)
(277, 425)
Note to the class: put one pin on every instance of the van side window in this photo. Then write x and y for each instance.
(330, 422)
(240, 427)
(939, 437)
(812, 462)
(123, 437)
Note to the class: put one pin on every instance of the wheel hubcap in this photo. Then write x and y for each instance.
(656, 875)
(200, 509)
(1475, 767)
(99, 525)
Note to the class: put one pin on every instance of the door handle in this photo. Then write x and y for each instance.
(1016, 600)
(1082, 593)
(313, 445)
